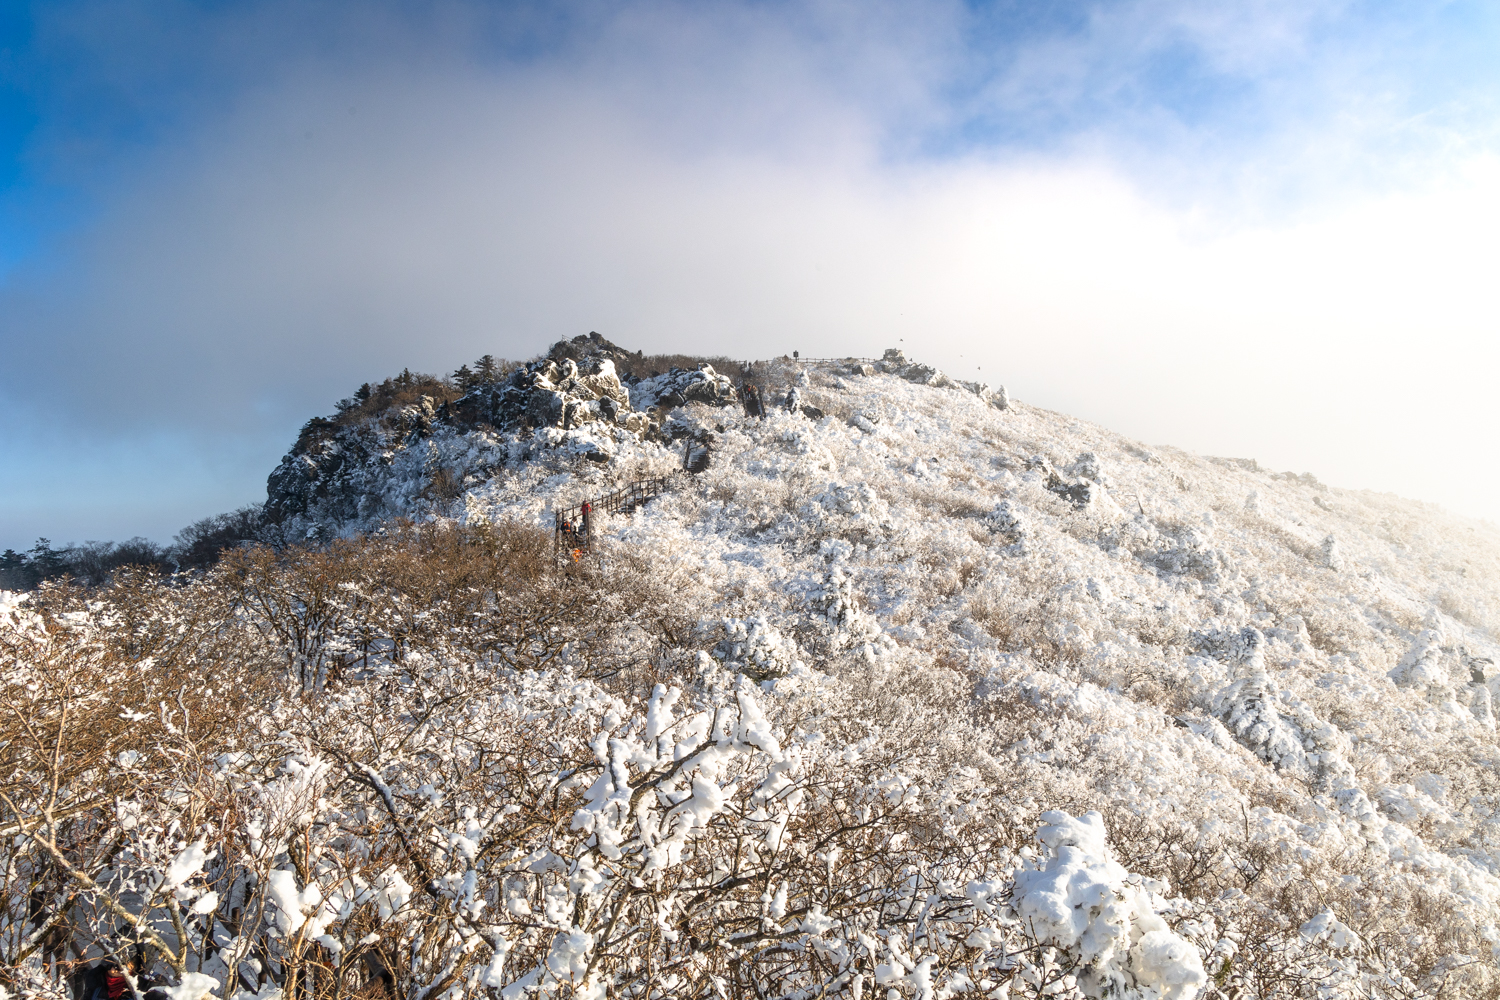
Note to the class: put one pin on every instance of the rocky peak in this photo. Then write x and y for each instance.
(590, 347)
(552, 392)
(338, 470)
(895, 362)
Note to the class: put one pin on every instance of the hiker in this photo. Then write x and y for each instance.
(105, 980)
(753, 405)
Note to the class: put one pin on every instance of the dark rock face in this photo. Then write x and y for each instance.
(330, 474)
(333, 468)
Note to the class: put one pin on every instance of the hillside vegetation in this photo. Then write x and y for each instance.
(913, 692)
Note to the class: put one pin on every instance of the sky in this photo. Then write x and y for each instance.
(1263, 230)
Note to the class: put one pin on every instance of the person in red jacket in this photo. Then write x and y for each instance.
(106, 981)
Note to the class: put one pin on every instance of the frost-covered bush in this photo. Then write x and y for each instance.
(453, 828)
(1186, 551)
(1009, 520)
(1088, 466)
(1284, 732)
(856, 502)
(1103, 918)
(756, 647)
(1424, 666)
(1332, 555)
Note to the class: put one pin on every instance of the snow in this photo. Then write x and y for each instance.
(1085, 903)
(292, 904)
(977, 698)
(194, 986)
(186, 865)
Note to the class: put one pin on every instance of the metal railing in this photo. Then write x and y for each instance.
(831, 361)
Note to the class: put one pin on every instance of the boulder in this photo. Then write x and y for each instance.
(896, 363)
(923, 375)
(545, 406)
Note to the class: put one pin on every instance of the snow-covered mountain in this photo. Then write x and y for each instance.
(1253, 654)
(1129, 721)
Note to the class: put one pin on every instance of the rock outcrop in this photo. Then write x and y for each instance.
(895, 362)
(338, 469)
(326, 468)
(679, 387)
(549, 393)
(577, 383)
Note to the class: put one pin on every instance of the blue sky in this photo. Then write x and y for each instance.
(1262, 230)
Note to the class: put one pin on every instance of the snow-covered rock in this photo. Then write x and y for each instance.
(678, 388)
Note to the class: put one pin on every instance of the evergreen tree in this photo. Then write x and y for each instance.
(47, 562)
(15, 571)
(465, 378)
(363, 393)
(486, 372)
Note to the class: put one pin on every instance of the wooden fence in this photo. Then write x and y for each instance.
(573, 527)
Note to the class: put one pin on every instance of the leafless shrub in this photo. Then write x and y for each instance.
(951, 503)
(445, 484)
(645, 366)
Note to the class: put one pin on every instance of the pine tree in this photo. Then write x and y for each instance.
(486, 372)
(465, 378)
(363, 393)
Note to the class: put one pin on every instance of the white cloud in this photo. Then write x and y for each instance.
(727, 184)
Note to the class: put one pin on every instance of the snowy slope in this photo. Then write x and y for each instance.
(958, 696)
(1214, 639)
(1245, 650)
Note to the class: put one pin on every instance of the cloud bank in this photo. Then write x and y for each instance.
(1197, 226)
